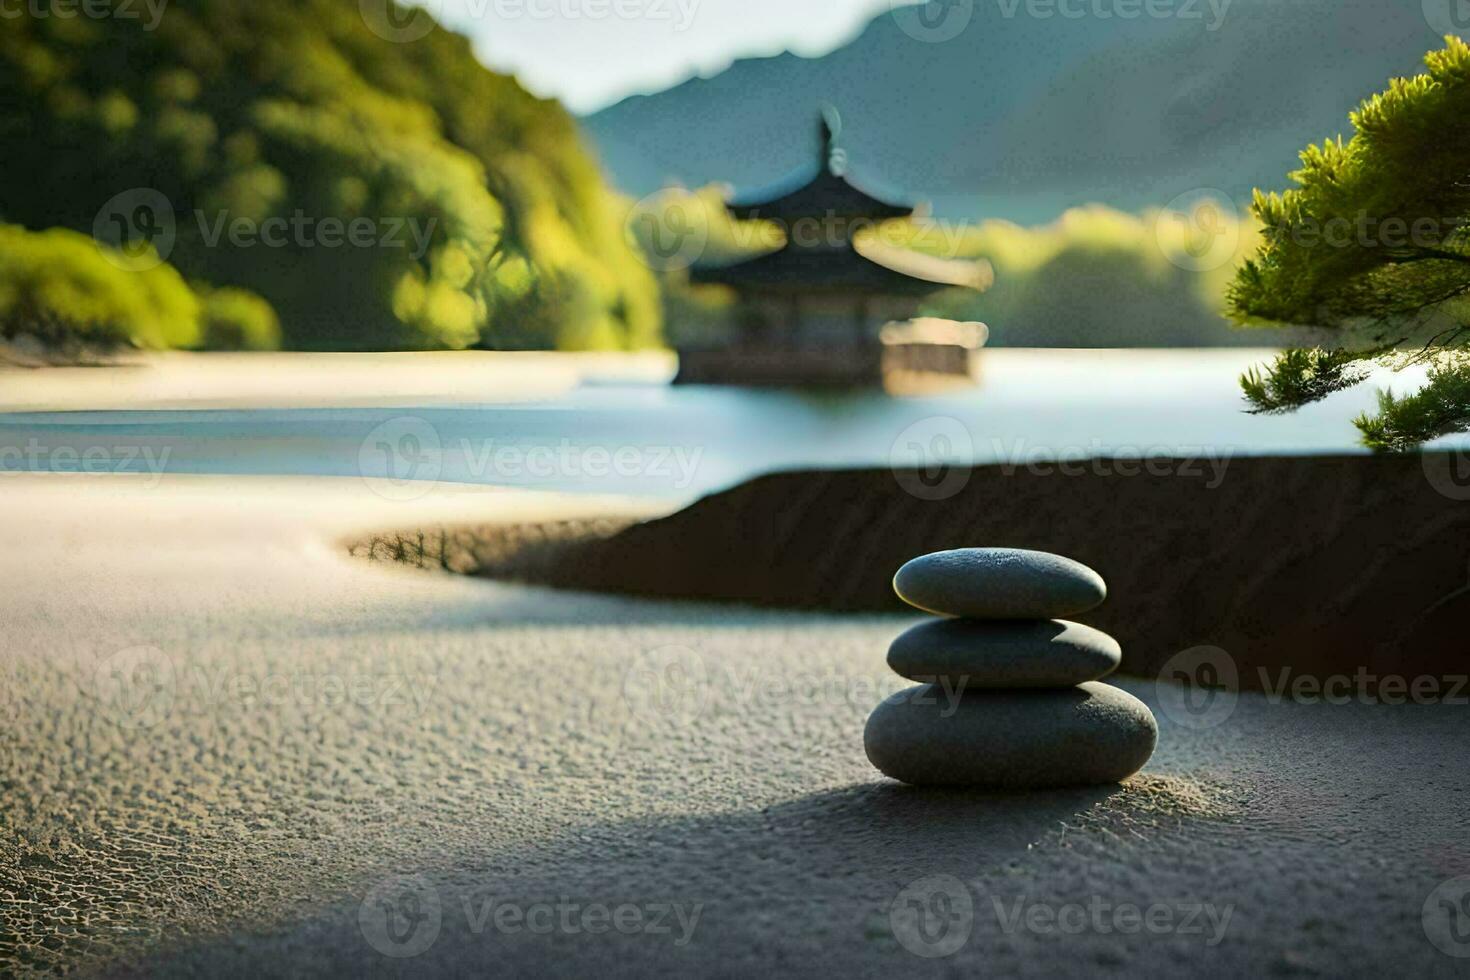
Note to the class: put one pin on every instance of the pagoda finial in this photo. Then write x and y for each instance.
(833, 159)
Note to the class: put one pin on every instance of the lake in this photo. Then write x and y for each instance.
(623, 432)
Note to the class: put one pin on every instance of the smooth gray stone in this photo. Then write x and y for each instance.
(1092, 734)
(980, 653)
(999, 583)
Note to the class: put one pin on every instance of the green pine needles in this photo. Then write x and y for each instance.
(1373, 246)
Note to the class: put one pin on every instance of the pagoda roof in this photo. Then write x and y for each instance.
(816, 191)
(857, 263)
(822, 190)
(870, 267)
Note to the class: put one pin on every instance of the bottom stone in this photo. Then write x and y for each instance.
(1088, 735)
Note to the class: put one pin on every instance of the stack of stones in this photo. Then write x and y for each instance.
(1009, 695)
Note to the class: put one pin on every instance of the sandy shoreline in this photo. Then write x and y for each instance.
(311, 727)
(165, 380)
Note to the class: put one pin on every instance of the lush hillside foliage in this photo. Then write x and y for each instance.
(377, 195)
(1101, 278)
(59, 290)
(1374, 244)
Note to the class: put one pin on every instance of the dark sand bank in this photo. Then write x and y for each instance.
(1323, 565)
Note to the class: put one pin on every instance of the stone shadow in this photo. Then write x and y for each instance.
(807, 882)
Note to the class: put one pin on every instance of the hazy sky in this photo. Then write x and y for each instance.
(590, 53)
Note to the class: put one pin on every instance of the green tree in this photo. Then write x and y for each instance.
(1372, 248)
(1095, 277)
(59, 289)
(490, 224)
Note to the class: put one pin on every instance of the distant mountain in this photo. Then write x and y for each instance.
(1020, 116)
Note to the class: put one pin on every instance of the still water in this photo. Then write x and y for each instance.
(611, 434)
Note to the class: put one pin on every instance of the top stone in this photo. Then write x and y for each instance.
(999, 583)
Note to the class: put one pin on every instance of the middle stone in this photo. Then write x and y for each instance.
(1004, 653)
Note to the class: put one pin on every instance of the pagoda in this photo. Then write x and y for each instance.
(815, 310)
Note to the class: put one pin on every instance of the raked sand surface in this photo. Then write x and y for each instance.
(229, 749)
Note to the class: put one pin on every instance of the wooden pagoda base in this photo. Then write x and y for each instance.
(905, 359)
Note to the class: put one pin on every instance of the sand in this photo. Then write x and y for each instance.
(316, 725)
(178, 379)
